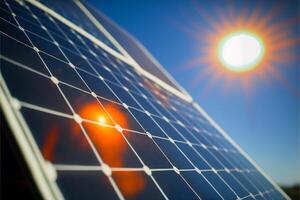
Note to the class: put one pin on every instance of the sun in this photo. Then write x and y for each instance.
(240, 51)
(242, 46)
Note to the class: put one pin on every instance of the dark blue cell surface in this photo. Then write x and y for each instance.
(85, 185)
(174, 185)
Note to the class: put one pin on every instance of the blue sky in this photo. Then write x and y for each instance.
(265, 122)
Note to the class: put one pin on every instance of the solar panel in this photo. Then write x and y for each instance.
(72, 12)
(91, 125)
(133, 47)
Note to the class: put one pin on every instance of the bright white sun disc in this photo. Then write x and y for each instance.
(241, 51)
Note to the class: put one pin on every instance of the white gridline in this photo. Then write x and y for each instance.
(67, 167)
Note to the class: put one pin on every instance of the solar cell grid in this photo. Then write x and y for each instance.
(72, 12)
(100, 122)
(134, 48)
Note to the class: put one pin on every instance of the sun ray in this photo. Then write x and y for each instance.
(270, 24)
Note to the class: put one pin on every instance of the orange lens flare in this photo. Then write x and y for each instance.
(155, 91)
(49, 143)
(109, 143)
(112, 147)
(130, 183)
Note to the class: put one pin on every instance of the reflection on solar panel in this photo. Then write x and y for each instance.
(135, 49)
(93, 125)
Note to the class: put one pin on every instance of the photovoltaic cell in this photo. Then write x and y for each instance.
(109, 132)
